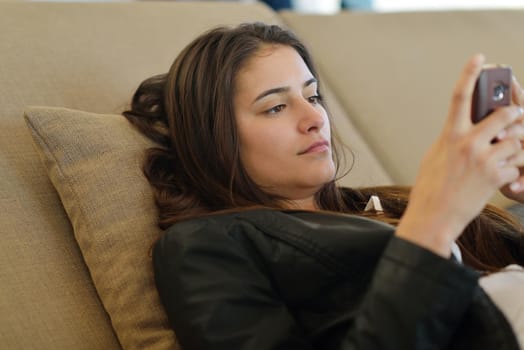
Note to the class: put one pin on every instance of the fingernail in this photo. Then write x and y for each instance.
(520, 112)
(514, 186)
(501, 135)
(514, 78)
(480, 57)
(502, 163)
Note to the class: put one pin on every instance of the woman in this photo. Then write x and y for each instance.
(259, 251)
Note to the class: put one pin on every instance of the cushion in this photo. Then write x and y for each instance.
(94, 162)
(506, 288)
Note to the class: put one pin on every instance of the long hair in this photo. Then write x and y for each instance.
(491, 241)
(196, 170)
(189, 112)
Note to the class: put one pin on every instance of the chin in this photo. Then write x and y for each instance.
(327, 175)
(321, 180)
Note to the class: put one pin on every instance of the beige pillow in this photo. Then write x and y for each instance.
(94, 162)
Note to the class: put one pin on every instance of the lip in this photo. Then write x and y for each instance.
(317, 147)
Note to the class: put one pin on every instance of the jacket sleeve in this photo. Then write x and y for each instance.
(416, 300)
(217, 297)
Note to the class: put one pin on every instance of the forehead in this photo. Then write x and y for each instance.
(271, 66)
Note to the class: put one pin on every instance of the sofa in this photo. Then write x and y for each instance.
(77, 215)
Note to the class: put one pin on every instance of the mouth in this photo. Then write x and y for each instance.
(317, 147)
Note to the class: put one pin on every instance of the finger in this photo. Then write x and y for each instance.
(497, 124)
(503, 174)
(516, 186)
(516, 92)
(516, 160)
(515, 130)
(501, 152)
(460, 109)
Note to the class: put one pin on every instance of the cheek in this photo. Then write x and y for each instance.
(261, 146)
(265, 152)
(326, 129)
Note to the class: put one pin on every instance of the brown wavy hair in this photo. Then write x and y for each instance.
(196, 170)
(491, 241)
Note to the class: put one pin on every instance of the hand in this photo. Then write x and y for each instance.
(515, 190)
(461, 170)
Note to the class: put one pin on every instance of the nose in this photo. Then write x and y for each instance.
(312, 117)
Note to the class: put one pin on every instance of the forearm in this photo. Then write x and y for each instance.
(416, 298)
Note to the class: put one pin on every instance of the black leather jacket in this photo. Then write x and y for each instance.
(266, 279)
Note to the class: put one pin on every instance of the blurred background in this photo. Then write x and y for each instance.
(334, 6)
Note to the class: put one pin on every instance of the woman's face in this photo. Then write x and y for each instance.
(283, 129)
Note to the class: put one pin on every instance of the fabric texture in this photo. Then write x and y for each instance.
(506, 289)
(87, 56)
(383, 67)
(303, 280)
(94, 162)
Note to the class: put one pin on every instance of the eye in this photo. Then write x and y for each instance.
(276, 109)
(315, 99)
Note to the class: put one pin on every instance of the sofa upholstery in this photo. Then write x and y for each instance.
(89, 57)
(394, 72)
(387, 79)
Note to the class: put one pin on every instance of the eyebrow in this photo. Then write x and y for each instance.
(280, 90)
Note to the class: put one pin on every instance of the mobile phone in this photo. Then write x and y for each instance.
(492, 90)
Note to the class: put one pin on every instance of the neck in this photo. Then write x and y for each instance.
(302, 204)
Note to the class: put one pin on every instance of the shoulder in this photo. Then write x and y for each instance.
(216, 225)
(217, 232)
(261, 232)
(270, 221)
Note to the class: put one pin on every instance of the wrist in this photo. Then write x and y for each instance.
(431, 233)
